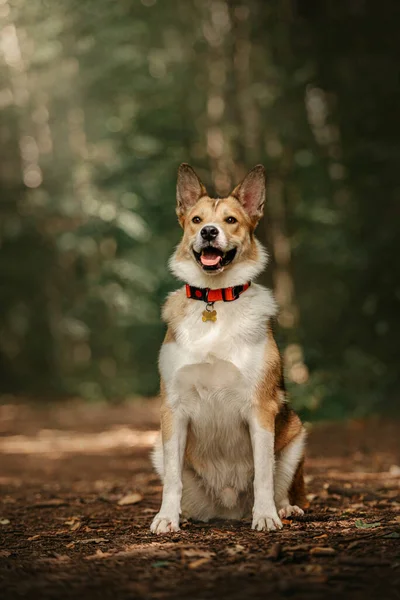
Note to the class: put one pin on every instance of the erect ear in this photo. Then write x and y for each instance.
(188, 189)
(251, 193)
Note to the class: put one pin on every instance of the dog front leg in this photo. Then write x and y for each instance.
(265, 516)
(174, 431)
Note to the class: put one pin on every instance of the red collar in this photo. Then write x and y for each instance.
(208, 295)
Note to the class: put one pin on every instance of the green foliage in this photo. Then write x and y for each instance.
(100, 103)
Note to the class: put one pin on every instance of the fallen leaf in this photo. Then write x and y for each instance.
(320, 537)
(322, 551)
(297, 547)
(197, 553)
(33, 538)
(394, 535)
(61, 557)
(238, 549)
(72, 521)
(4, 553)
(98, 554)
(312, 569)
(130, 499)
(361, 525)
(56, 558)
(198, 563)
(219, 532)
(353, 545)
(101, 485)
(4, 521)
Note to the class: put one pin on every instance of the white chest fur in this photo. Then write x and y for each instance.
(224, 354)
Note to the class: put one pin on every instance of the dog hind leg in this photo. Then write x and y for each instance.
(288, 480)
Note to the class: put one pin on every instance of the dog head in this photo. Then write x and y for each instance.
(218, 248)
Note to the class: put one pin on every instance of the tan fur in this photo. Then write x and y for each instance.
(169, 336)
(267, 396)
(287, 427)
(173, 312)
(215, 211)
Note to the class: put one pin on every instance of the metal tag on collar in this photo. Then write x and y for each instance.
(209, 314)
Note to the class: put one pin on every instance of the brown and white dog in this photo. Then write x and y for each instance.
(231, 446)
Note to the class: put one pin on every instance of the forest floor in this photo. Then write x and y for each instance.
(78, 494)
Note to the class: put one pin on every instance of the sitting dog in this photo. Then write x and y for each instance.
(230, 445)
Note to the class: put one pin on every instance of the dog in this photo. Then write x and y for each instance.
(230, 445)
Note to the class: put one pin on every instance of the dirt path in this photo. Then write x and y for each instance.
(65, 531)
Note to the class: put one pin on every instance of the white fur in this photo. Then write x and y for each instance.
(264, 510)
(239, 272)
(173, 450)
(210, 373)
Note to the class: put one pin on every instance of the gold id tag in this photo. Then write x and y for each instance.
(209, 314)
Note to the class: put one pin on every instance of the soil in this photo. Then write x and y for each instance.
(78, 494)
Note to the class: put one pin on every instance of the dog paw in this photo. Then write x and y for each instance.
(163, 524)
(266, 522)
(289, 511)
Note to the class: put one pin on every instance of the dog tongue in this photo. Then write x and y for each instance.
(210, 259)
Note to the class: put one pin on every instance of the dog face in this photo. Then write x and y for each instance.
(218, 248)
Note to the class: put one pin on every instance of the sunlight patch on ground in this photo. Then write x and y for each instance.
(48, 441)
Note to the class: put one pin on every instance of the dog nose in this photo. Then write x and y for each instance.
(209, 233)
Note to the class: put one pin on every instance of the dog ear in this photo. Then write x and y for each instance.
(188, 189)
(251, 193)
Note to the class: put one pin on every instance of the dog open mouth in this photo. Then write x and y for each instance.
(213, 259)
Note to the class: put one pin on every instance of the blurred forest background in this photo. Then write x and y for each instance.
(100, 102)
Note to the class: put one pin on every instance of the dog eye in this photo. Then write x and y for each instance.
(196, 220)
(230, 220)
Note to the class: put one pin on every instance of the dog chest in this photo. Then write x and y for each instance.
(209, 368)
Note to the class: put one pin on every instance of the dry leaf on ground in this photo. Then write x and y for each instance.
(196, 553)
(238, 549)
(130, 499)
(199, 563)
(322, 551)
